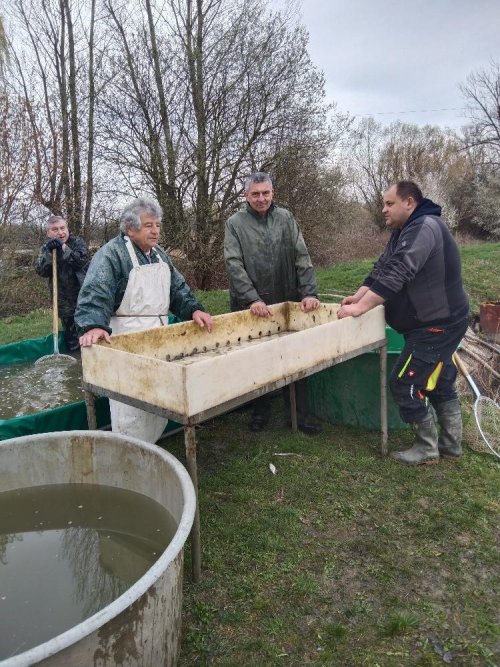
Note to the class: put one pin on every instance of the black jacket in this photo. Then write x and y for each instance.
(72, 264)
(419, 273)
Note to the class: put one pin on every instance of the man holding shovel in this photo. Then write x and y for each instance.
(72, 259)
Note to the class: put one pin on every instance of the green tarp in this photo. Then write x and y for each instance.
(349, 393)
(69, 417)
(29, 350)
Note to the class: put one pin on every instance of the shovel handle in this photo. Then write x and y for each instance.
(460, 365)
(55, 310)
(463, 369)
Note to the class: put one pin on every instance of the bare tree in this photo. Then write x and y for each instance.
(481, 142)
(54, 65)
(3, 46)
(429, 155)
(482, 94)
(368, 179)
(192, 95)
(16, 161)
(89, 189)
(135, 109)
(172, 211)
(201, 93)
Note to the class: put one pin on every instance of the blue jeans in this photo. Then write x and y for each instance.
(424, 371)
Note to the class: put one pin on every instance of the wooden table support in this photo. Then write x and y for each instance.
(383, 400)
(293, 407)
(90, 406)
(190, 443)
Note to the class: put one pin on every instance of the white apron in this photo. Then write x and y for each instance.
(145, 305)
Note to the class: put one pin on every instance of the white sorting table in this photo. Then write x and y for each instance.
(188, 375)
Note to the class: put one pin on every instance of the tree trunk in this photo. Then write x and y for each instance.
(170, 202)
(89, 188)
(74, 205)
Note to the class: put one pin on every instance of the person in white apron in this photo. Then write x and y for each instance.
(144, 293)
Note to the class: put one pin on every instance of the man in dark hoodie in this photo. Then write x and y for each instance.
(418, 278)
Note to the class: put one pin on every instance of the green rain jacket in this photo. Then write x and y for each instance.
(266, 258)
(107, 277)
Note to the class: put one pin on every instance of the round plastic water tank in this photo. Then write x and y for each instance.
(142, 626)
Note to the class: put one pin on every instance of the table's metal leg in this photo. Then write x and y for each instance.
(293, 406)
(90, 405)
(190, 443)
(383, 400)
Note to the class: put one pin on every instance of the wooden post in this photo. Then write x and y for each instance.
(293, 407)
(90, 405)
(190, 443)
(383, 400)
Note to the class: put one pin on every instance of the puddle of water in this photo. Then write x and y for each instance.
(28, 388)
(67, 551)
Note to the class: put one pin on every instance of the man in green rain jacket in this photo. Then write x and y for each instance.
(268, 262)
(103, 290)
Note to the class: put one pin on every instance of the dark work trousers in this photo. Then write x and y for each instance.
(262, 405)
(424, 371)
(70, 334)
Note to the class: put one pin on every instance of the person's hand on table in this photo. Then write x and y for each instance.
(260, 309)
(203, 319)
(93, 335)
(309, 303)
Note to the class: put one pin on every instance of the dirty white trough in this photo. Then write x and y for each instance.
(186, 374)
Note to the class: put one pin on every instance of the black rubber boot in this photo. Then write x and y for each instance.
(70, 334)
(425, 449)
(260, 413)
(258, 422)
(308, 425)
(449, 417)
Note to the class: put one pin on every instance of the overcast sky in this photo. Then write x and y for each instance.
(388, 58)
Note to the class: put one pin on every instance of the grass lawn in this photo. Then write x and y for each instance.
(341, 558)
(480, 266)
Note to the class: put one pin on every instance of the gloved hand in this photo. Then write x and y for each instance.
(53, 244)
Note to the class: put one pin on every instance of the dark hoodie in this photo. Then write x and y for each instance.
(419, 273)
